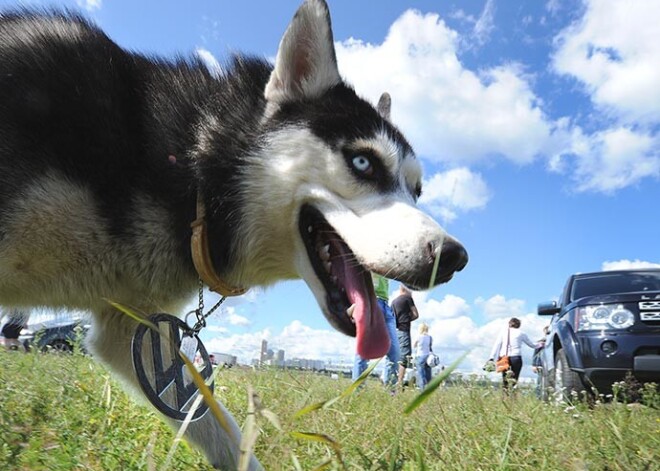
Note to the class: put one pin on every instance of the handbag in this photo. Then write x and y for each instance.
(432, 360)
(502, 364)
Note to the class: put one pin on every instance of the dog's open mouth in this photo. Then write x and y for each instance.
(352, 307)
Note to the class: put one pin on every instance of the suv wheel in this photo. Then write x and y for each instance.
(60, 346)
(566, 380)
(545, 386)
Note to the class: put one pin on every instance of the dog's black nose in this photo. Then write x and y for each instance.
(453, 258)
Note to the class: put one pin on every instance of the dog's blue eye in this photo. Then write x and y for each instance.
(362, 164)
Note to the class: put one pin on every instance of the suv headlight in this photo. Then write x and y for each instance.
(603, 316)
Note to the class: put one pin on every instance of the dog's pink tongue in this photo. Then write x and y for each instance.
(372, 338)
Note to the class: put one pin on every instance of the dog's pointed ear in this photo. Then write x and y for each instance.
(384, 106)
(306, 65)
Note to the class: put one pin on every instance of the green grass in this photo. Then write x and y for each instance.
(62, 412)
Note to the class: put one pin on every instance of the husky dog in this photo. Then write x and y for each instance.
(104, 153)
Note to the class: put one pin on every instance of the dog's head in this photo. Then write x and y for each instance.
(342, 188)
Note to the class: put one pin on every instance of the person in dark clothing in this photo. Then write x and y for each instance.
(405, 312)
(537, 364)
(16, 321)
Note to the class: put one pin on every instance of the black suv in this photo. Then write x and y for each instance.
(605, 325)
(55, 334)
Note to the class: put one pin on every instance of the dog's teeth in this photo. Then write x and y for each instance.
(328, 266)
(309, 229)
(350, 310)
(334, 279)
(324, 253)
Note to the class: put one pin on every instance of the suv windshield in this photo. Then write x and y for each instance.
(611, 283)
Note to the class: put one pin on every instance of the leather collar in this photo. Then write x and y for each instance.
(201, 256)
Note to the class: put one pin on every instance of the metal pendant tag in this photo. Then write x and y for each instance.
(189, 346)
(162, 373)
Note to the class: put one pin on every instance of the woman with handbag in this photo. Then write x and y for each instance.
(507, 352)
(424, 349)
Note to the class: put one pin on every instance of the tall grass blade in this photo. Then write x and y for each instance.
(184, 425)
(436, 264)
(322, 466)
(320, 437)
(296, 462)
(133, 314)
(421, 464)
(505, 451)
(205, 391)
(394, 454)
(433, 385)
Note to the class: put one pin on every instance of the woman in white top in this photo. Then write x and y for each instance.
(423, 346)
(509, 344)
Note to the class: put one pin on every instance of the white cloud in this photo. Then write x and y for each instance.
(485, 24)
(449, 112)
(234, 319)
(553, 6)
(217, 329)
(482, 27)
(499, 307)
(457, 190)
(209, 60)
(628, 264)
(462, 16)
(90, 5)
(614, 51)
(431, 310)
(301, 341)
(609, 160)
(244, 346)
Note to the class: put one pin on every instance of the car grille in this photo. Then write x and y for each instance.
(646, 305)
(649, 316)
(649, 312)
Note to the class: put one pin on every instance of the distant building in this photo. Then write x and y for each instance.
(224, 359)
(264, 351)
(267, 357)
(305, 364)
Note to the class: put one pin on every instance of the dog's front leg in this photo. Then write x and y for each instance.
(110, 341)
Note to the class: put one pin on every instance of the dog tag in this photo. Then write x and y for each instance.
(189, 346)
(160, 370)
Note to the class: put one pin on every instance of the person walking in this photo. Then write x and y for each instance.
(537, 361)
(405, 312)
(16, 321)
(423, 348)
(389, 376)
(508, 344)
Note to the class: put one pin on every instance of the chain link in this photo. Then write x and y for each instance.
(201, 295)
(199, 312)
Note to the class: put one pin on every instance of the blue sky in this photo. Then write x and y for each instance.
(537, 124)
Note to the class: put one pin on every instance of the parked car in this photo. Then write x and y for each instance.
(604, 326)
(57, 334)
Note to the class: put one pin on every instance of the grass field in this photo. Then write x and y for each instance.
(62, 412)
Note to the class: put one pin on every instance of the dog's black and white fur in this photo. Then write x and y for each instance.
(103, 152)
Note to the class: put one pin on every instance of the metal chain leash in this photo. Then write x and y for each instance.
(199, 312)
